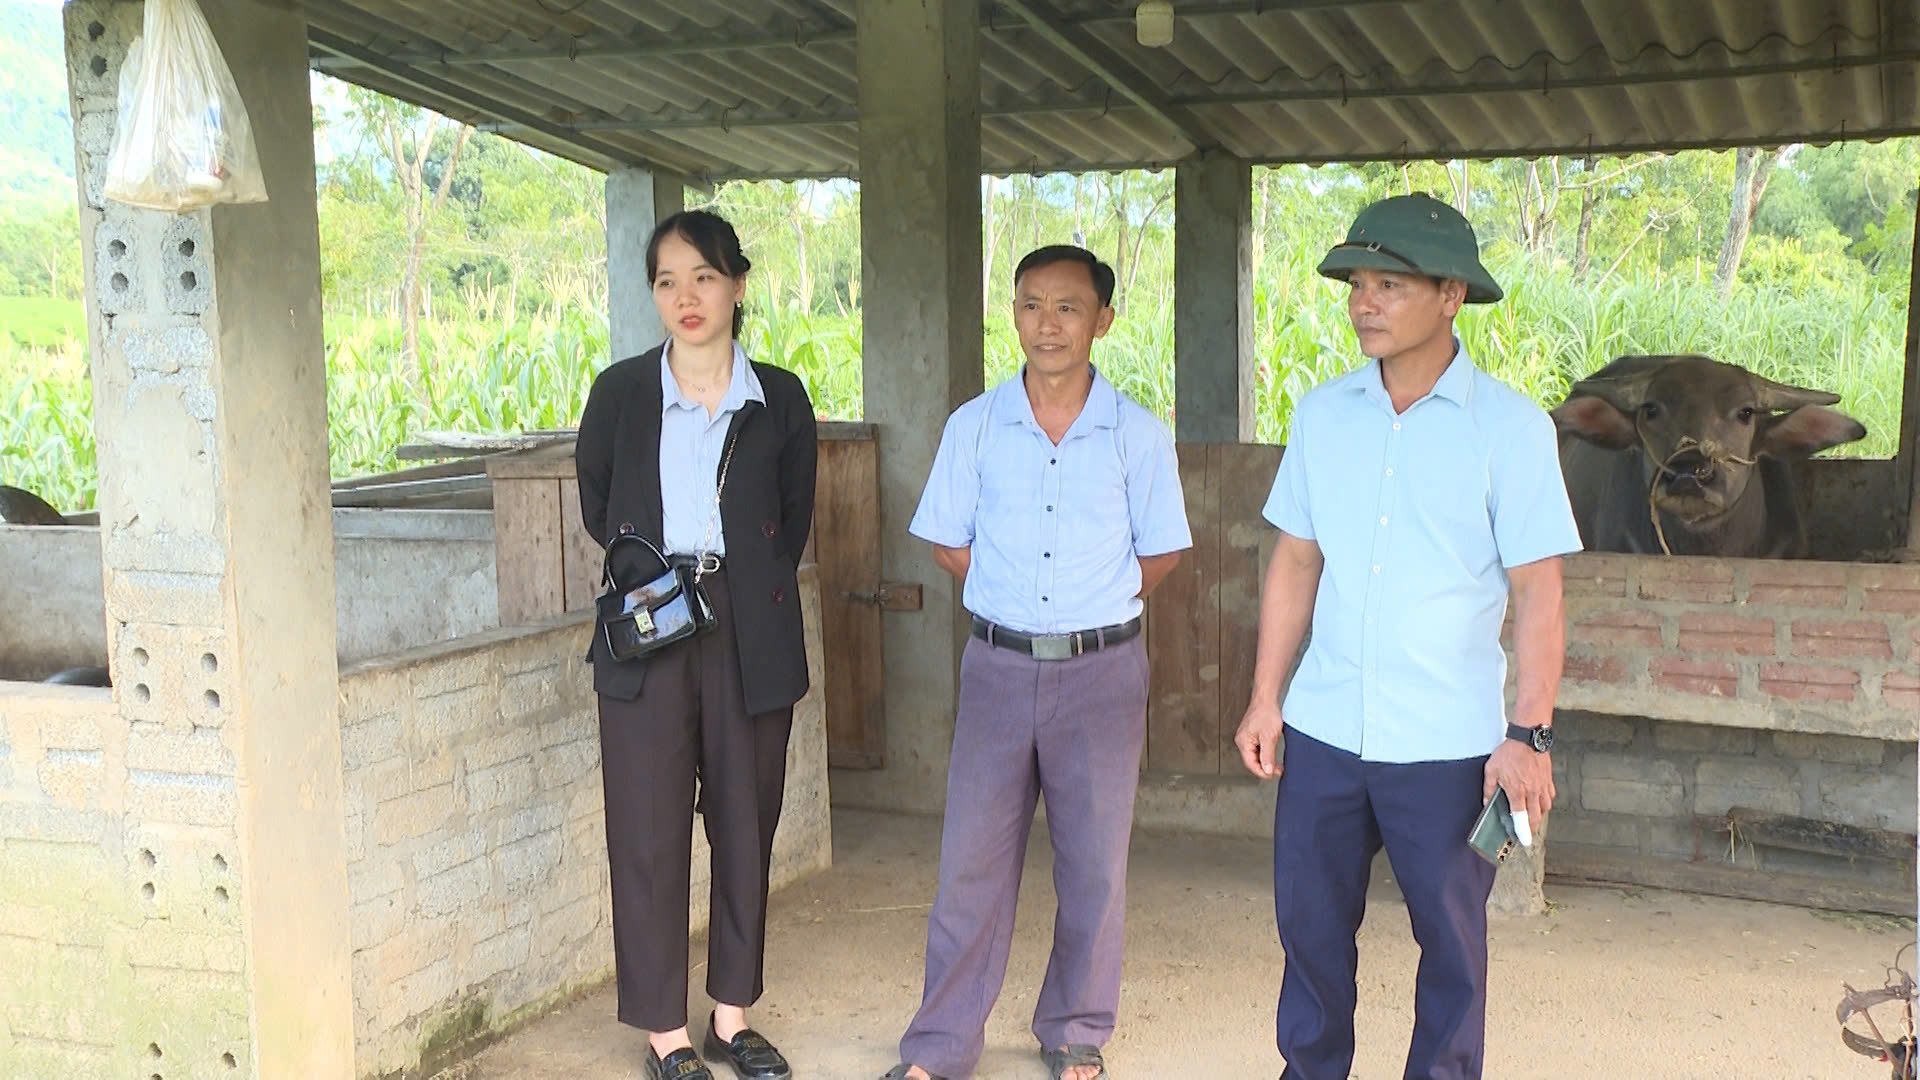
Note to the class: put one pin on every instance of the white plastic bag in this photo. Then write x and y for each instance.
(183, 139)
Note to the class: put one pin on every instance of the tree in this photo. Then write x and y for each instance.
(1752, 169)
(405, 135)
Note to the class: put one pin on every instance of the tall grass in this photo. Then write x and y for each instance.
(534, 373)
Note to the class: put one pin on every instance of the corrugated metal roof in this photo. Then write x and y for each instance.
(766, 88)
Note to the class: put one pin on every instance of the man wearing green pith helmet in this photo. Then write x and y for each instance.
(1416, 497)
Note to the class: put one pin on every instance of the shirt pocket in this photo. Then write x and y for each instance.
(1447, 497)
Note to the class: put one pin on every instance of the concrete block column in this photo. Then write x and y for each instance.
(919, 75)
(1213, 299)
(637, 200)
(225, 937)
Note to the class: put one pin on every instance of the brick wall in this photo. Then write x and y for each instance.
(1647, 787)
(477, 838)
(1813, 647)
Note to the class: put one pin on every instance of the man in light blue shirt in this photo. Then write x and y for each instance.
(1057, 502)
(1416, 497)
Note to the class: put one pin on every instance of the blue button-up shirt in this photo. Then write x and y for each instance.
(1057, 532)
(690, 445)
(1418, 515)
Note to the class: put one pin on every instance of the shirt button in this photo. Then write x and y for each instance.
(1383, 521)
(1053, 461)
(1389, 472)
(1046, 554)
(1376, 568)
(1049, 509)
(1043, 600)
(1396, 427)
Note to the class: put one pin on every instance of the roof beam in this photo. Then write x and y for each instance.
(689, 120)
(481, 103)
(1201, 9)
(1581, 149)
(795, 36)
(729, 119)
(1104, 63)
(1546, 82)
(800, 35)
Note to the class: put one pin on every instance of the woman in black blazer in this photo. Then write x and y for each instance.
(713, 710)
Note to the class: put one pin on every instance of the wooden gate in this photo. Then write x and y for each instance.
(1203, 622)
(846, 545)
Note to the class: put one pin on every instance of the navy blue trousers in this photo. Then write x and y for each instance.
(1335, 813)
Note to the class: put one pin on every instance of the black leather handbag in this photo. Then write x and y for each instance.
(667, 605)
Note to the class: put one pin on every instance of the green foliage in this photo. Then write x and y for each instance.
(528, 375)
(40, 250)
(41, 322)
(1599, 258)
(46, 422)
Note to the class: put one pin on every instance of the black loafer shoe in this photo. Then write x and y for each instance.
(749, 1055)
(682, 1064)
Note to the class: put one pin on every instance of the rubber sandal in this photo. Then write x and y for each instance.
(899, 1072)
(1059, 1061)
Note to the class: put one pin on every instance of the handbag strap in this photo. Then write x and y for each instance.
(702, 567)
(625, 534)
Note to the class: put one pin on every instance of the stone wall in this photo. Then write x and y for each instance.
(1643, 787)
(475, 836)
(403, 578)
(119, 894)
(476, 833)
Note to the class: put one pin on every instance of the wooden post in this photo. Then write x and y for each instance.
(544, 561)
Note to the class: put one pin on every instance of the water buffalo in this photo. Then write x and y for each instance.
(19, 507)
(1691, 456)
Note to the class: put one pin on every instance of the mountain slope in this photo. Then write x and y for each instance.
(36, 135)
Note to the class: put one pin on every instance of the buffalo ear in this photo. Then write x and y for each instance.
(1806, 430)
(1595, 420)
(1781, 397)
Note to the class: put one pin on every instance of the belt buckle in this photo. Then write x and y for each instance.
(1052, 646)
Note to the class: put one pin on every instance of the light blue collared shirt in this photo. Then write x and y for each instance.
(1419, 516)
(690, 446)
(1057, 532)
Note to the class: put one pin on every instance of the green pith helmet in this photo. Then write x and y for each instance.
(1414, 234)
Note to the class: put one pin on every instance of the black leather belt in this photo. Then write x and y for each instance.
(1055, 646)
(713, 563)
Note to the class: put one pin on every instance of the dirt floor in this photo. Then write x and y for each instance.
(1612, 983)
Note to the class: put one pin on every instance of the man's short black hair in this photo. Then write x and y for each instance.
(1058, 253)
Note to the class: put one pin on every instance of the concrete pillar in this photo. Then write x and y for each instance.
(637, 200)
(920, 273)
(226, 936)
(1213, 299)
(1906, 456)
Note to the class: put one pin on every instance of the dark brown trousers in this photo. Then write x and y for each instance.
(689, 726)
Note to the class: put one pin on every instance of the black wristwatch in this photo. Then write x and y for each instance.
(1540, 738)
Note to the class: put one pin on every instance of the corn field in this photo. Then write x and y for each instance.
(534, 372)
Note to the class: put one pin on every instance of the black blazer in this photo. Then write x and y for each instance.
(766, 510)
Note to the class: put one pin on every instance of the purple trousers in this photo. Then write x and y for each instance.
(1072, 730)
